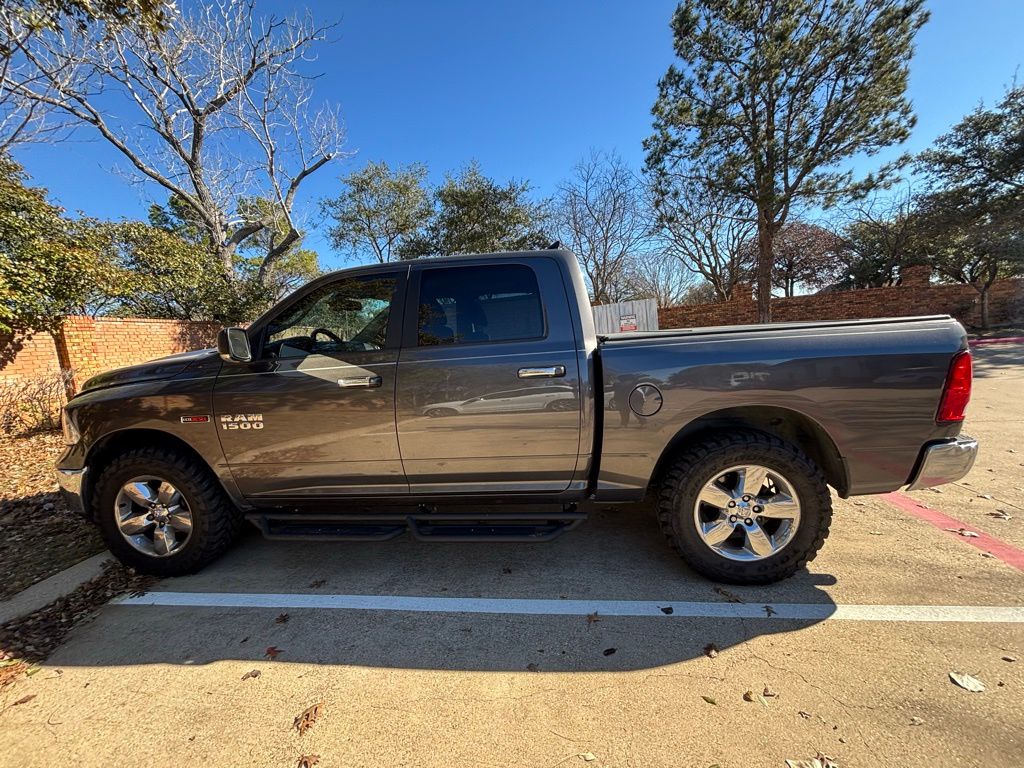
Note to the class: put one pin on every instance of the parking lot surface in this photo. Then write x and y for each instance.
(600, 648)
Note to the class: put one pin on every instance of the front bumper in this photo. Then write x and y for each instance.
(72, 488)
(944, 462)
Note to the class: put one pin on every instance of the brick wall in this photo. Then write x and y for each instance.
(22, 357)
(914, 297)
(88, 346)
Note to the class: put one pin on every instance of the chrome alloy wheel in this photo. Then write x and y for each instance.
(153, 516)
(747, 512)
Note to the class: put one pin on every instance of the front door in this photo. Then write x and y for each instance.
(314, 413)
(488, 383)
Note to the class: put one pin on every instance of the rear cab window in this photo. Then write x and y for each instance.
(479, 304)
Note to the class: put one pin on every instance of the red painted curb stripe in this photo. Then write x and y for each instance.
(1008, 553)
(1007, 340)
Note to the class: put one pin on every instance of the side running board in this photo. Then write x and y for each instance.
(423, 523)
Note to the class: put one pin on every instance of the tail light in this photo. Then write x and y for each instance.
(957, 391)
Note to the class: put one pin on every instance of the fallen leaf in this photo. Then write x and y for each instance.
(307, 761)
(876, 533)
(273, 652)
(251, 674)
(587, 756)
(769, 693)
(317, 583)
(819, 761)
(304, 721)
(608, 651)
(748, 696)
(24, 699)
(282, 619)
(710, 650)
(667, 610)
(592, 618)
(768, 610)
(531, 667)
(968, 683)
(710, 700)
(243, 640)
(916, 721)
(1009, 658)
(984, 495)
(804, 715)
(1000, 514)
(728, 595)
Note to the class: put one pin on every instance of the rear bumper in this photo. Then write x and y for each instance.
(72, 488)
(944, 462)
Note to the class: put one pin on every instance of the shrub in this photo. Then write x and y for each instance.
(33, 403)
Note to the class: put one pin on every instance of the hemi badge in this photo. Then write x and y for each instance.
(195, 419)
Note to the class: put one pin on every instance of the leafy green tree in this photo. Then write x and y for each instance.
(771, 97)
(379, 210)
(972, 216)
(475, 214)
(46, 268)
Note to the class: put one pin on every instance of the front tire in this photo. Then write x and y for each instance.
(163, 513)
(745, 508)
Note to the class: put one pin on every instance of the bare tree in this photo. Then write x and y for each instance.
(214, 106)
(707, 232)
(602, 214)
(659, 275)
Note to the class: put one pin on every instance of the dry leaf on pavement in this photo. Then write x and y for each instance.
(304, 721)
(273, 652)
(282, 619)
(728, 595)
(251, 674)
(710, 650)
(1009, 658)
(667, 610)
(819, 761)
(592, 617)
(307, 761)
(916, 721)
(710, 700)
(587, 756)
(968, 683)
(24, 700)
(316, 584)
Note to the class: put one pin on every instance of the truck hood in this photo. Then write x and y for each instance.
(154, 370)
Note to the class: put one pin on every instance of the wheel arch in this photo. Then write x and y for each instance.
(784, 423)
(103, 450)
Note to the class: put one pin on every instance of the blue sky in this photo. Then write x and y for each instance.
(527, 88)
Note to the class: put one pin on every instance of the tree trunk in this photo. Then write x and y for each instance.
(765, 257)
(984, 305)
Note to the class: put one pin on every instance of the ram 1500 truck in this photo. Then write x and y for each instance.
(469, 398)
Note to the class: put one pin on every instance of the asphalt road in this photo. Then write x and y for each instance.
(507, 669)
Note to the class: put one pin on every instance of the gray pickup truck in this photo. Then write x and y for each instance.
(469, 398)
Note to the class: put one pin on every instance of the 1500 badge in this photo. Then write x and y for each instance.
(241, 421)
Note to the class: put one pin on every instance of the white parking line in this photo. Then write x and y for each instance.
(772, 611)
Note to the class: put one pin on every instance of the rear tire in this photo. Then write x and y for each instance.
(214, 520)
(729, 541)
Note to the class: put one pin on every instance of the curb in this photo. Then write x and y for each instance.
(44, 592)
(1004, 340)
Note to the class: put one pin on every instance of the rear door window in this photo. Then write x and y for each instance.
(473, 305)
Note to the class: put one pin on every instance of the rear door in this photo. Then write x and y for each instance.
(488, 382)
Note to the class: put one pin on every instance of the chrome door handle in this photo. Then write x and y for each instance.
(548, 372)
(361, 381)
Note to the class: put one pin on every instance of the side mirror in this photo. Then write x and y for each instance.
(233, 345)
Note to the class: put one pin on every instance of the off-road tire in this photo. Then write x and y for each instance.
(682, 483)
(216, 522)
